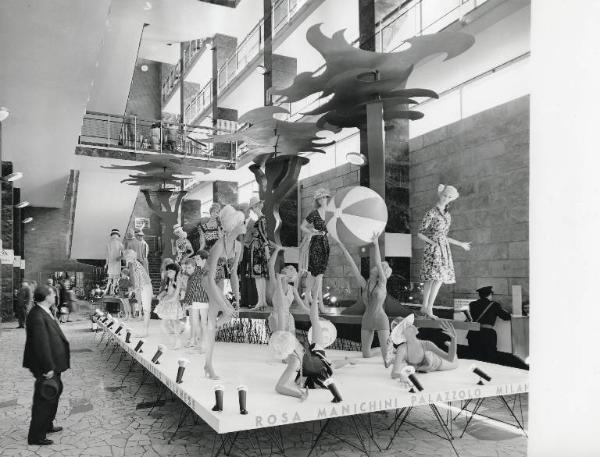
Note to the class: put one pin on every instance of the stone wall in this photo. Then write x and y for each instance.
(338, 275)
(486, 156)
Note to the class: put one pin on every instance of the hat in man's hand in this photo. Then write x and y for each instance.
(49, 388)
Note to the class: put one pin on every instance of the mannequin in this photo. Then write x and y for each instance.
(114, 253)
(374, 293)
(318, 255)
(437, 267)
(223, 257)
(142, 248)
(141, 285)
(183, 248)
(258, 250)
(211, 230)
(169, 307)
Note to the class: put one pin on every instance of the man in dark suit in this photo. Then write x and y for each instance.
(483, 343)
(47, 355)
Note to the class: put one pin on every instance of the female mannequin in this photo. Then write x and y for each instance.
(258, 249)
(284, 293)
(183, 248)
(374, 293)
(318, 255)
(423, 355)
(224, 255)
(141, 285)
(169, 308)
(211, 230)
(437, 267)
(114, 253)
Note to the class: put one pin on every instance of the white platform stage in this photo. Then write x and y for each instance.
(365, 387)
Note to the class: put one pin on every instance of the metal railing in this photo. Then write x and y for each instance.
(282, 13)
(192, 49)
(142, 135)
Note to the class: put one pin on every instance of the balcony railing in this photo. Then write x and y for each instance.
(282, 13)
(140, 135)
(192, 49)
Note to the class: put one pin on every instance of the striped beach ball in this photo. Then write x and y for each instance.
(354, 214)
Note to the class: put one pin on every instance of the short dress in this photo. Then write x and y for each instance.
(318, 253)
(437, 258)
(257, 263)
(374, 317)
(168, 306)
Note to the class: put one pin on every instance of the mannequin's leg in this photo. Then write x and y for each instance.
(261, 289)
(203, 337)
(426, 293)
(435, 288)
(209, 370)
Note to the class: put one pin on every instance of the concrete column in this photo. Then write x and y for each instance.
(6, 271)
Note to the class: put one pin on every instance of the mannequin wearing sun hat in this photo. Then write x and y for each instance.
(114, 253)
(423, 355)
(258, 252)
(318, 254)
(437, 267)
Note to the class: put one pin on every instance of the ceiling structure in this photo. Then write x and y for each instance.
(70, 56)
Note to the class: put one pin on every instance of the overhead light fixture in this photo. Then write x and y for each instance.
(356, 158)
(12, 177)
(22, 204)
(261, 70)
(144, 67)
(147, 6)
(27, 220)
(3, 113)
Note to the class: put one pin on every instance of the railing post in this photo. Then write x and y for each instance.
(135, 133)
(108, 129)
(160, 136)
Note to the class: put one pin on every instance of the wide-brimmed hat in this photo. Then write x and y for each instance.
(49, 388)
(328, 331)
(451, 189)
(230, 218)
(177, 227)
(397, 334)
(254, 201)
(320, 193)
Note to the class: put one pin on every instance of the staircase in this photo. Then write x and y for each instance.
(154, 262)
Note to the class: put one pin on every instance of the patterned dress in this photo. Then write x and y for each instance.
(184, 249)
(437, 257)
(318, 254)
(212, 231)
(169, 306)
(256, 266)
(194, 291)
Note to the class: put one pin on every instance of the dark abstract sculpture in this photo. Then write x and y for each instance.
(168, 214)
(274, 145)
(354, 78)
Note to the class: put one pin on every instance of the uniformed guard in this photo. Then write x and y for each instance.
(482, 343)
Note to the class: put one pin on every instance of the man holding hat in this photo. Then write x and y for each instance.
(482, 343)
(47, 355)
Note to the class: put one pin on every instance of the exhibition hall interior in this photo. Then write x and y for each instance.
(265, 227)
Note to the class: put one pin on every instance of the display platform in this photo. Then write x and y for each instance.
(365, 387)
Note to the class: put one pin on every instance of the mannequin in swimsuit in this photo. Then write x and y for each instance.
(227, 251)
(424, 356)
(374, 295)
(284, 293)
(287, 385)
